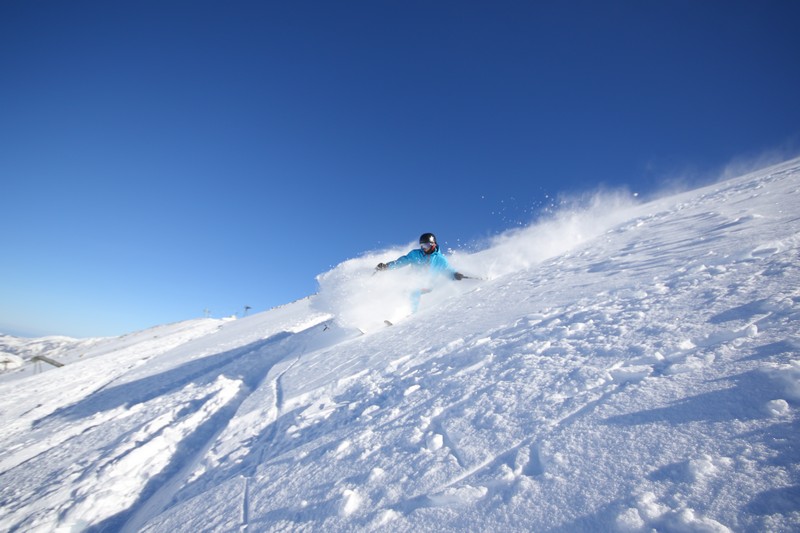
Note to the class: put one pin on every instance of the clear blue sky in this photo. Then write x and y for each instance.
(158, 158)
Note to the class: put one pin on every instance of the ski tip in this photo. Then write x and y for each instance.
(388, 323)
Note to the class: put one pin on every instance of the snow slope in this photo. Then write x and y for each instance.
(624, 368)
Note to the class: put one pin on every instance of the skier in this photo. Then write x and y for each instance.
(427, 256)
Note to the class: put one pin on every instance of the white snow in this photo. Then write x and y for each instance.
(621, 367)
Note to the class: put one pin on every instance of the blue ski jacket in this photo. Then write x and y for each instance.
(436, 261)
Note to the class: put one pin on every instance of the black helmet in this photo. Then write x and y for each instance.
(427, 238)
(427, 241)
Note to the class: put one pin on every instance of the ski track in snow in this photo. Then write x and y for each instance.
(645, 379)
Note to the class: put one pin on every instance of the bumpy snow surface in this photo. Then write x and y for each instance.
(620, 368)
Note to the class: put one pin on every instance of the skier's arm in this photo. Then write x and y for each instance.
(444, 266)
(397, 263)
(403, 261)
(389, 266)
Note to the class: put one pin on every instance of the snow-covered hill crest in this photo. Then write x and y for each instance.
(640, 372)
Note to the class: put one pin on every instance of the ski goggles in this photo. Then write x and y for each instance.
(427, 246)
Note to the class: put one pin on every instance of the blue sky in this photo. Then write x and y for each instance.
(162, 158)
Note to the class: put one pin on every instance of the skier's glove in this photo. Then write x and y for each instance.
(381, 266)
(458, 276)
